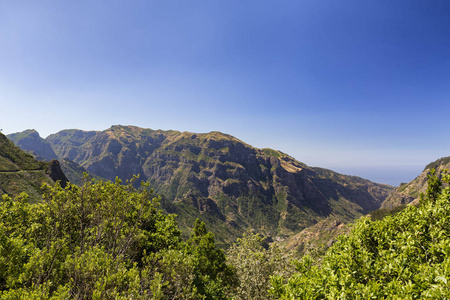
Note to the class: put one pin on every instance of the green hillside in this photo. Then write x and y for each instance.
(223, 181)
(21, 172)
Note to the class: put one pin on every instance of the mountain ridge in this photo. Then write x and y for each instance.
(30, 141)
(222, 180)
(410, 192)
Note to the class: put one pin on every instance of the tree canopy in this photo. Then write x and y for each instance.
(103, 240)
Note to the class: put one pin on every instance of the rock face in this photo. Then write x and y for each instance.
(56, 174)
(227, 183)
(410, 192)
(30, 141)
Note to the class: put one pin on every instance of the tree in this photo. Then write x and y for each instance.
(212, 274)
(254, 265)
(104, 240)
(86, 241)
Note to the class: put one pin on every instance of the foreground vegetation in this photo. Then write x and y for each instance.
(105, 240)
(404, 256)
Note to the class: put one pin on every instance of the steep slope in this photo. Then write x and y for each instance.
(222, 180)
(410, 192)
(318, 237)
(31, 142)
(21, 172)
(75, 173)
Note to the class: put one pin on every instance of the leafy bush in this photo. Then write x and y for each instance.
(405, 256)
(103, 240)
(254, 264)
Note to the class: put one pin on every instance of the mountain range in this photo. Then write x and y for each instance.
(225, 182)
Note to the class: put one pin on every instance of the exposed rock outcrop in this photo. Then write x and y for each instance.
(56, 173)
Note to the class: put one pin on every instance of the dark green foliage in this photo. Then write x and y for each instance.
(434, 186)
(405, 256)
(211, 272)
(441, 161)
(383, 212)
(104, 240)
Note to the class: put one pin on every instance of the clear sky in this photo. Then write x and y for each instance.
(359, 87)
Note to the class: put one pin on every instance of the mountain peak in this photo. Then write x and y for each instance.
(31, 142)
(19, 135)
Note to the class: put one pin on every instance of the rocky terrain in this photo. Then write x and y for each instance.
(227, 183)
(410, 192)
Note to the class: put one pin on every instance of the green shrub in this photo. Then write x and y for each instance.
(404, 256)
(103, 240)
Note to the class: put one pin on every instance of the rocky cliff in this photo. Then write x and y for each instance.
(224, 181)
(31, 142)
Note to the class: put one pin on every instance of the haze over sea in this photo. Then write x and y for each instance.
(359, 87)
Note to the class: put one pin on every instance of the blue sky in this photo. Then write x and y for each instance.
(359, 87)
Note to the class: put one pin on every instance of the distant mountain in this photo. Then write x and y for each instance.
(75, 173)
(410, 192)
(21, 172)
(31, 142)
(222, 180)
